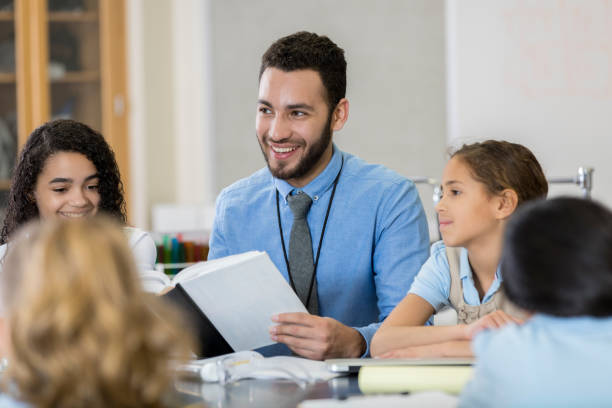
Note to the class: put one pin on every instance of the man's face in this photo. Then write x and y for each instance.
(294, 124)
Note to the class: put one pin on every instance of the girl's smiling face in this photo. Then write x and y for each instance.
(67, 187)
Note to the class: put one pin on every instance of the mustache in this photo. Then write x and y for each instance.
(267, 140)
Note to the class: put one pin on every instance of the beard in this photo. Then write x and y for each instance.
(311, 157)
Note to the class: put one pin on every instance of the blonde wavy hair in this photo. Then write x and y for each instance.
(82, 331)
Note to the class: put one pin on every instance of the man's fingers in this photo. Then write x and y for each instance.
(306, 347)
(306, 353)
(303, 319)
(292, 330)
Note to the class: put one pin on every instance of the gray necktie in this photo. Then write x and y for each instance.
(300, 252)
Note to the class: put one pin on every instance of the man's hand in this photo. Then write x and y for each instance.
(494, 320)
(317, 338)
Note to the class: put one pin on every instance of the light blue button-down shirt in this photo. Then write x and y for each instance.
(6, 401)
(547, 362)
(433, 281)
(375, 241)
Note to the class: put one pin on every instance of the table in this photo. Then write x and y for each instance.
(261, 393)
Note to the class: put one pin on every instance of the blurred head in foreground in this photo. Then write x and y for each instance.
(77, 328)
(558, 258)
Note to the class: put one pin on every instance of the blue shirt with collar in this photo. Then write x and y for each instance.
(375, 241)
(7, 401)
(546, 362)
(433, 281)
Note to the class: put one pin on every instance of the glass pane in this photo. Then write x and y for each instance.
(8, 100)
(72, 5)
(74, 61)
(6, 5)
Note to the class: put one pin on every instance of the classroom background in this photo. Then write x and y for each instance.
(423, 75)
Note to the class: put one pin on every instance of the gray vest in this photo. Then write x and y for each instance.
(469, 313)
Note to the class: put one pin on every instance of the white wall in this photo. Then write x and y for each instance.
(170, 99)
(421, 74)
(537, 73)
(151, 104)
(396, 78)
(396, 87)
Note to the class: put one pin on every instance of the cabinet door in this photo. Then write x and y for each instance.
(8, 100)
(70, 59)
(74, 61)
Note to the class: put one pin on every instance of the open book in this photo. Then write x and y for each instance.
(229, 302)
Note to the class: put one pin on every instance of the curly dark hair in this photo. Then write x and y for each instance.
(61, 135)
(304, 50)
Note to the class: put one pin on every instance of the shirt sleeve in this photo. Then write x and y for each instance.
(433, 280)
(402, 244)
(2, 255)
(144, 250)
(145, 254)
(477, 392)
(217, 247)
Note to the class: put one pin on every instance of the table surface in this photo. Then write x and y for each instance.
(261, 393)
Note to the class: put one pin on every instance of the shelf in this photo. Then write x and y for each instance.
(7, 16)
(7, 78)
(77, 77)
(73, 16)
(5, 184)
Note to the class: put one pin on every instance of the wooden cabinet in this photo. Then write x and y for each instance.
(69, 61)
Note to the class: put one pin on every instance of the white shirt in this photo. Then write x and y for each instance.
(145, 254)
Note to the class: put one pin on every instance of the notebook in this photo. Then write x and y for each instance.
(352, 365)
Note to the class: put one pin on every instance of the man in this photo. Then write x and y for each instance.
(348, 236)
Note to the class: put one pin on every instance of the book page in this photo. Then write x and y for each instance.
(201, 268)
(241, 297)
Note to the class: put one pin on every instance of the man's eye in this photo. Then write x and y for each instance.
(455, 192)
(298, 113)
(265, 110)
(92, 187)
(60, 189)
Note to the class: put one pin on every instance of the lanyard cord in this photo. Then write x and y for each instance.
(316, 262)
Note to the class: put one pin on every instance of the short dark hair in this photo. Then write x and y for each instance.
(61, 135)
(304, 50)
(500, 165)
(557, 258)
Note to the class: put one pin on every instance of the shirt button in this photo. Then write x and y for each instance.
(315, 198)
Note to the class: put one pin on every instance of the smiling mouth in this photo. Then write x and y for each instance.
(283, 149)
(74, 214)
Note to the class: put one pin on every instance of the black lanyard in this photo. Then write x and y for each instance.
(316, 261)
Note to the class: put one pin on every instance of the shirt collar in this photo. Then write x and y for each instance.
(320, 184)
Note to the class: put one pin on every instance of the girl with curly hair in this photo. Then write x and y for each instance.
(67, 170)
(75, 326)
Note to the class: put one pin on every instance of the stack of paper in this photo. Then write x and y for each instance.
(419, 400)
(396, 379)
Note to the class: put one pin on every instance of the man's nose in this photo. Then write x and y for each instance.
(280, 129)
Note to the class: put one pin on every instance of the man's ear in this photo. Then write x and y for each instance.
(340, 115)
(506, 203)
